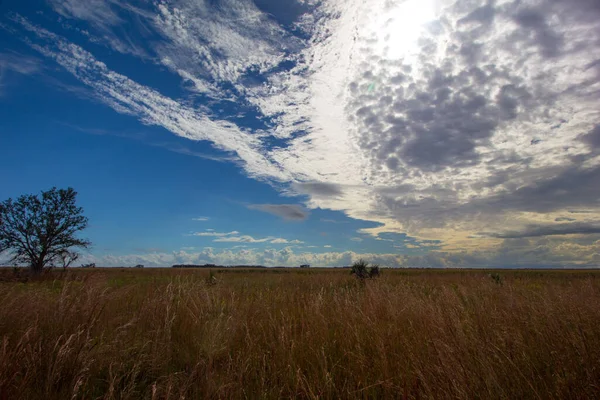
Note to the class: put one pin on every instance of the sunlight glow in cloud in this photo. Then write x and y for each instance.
(399, 26)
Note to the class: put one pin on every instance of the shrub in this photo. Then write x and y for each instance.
(496, 278)
(374, 272)
(361, 270)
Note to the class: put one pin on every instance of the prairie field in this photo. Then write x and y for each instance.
(292, 333)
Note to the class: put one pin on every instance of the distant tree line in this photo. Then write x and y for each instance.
(215, 266)
(359, 268)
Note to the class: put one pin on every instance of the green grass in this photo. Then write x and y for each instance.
(283, 333)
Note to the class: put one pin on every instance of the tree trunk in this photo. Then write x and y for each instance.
(37, 268)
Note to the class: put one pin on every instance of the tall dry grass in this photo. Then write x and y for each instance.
(122, 334)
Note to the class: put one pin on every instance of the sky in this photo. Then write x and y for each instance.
(410, 133)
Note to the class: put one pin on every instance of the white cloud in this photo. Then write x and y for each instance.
(250, 239)
(208, 45)
(210, 232)
(19, 63)
(201, 219)
(242, 239)
(235, 237)
(99, 12)
(105, 16)
(285, 241)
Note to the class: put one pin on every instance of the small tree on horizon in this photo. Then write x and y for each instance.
(40, 230)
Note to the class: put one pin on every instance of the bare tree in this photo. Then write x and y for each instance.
(40, 229)
(66, 258)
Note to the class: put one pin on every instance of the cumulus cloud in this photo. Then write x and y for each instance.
(520, 252)
(291, 212)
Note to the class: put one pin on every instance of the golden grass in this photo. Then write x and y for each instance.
(157, 334)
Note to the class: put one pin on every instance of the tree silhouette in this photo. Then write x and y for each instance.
(40, 229)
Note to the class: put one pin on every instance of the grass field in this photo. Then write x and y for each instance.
(291, 333)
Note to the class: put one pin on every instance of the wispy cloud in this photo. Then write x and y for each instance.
(291, 212)
(285, 241)
(242, 239)
(564, 219)
(20, 63)
(16, 63)
(202, 219)
(235, 237)
(104, 16)
(141, 136)
(128, 97)
(250, 239)
(333, 221)
(211, 233)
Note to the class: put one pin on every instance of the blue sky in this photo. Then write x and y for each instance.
(411, 133)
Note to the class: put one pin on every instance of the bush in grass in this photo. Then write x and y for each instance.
(374, 272)
(361, 270)
(496, 278)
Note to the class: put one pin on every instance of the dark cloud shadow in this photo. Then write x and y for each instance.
(290, 212)
(576, 228)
